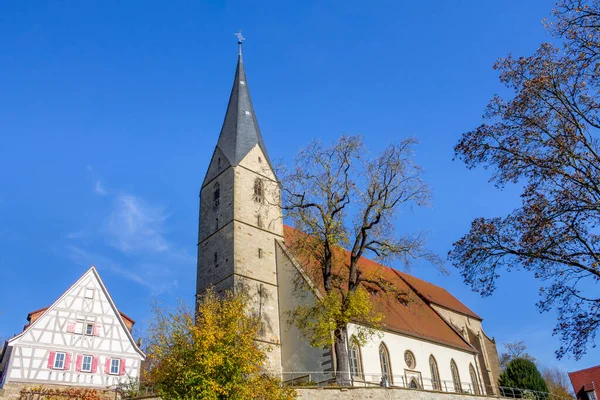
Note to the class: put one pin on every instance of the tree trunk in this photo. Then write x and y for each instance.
(342, 377)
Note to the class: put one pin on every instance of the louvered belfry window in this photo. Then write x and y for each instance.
(259, 190)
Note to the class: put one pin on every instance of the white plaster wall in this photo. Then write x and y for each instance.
(297, 355)
(397, 344)
(489, 356)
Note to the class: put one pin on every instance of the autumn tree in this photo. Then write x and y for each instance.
(545, 138)
(558, 383)
(215, 357)
(514, 350)
(338, 197)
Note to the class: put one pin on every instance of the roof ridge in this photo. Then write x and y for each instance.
(585, 369)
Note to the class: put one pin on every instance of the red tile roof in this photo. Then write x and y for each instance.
(416, 318)
(437, 295)
(32, 316)
(585, 380)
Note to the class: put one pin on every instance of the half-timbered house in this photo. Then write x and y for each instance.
(80, 340)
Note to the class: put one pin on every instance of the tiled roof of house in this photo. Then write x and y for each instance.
(585, 379)
(437, 295)
(416, 318)
(32, 316)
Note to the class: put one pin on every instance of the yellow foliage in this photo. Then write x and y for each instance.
(214, 357)
(318, 321)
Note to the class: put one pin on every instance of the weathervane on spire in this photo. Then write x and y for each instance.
(240, 38)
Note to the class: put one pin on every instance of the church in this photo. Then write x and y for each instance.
(434, 342)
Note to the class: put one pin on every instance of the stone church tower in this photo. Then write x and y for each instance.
(240, 216)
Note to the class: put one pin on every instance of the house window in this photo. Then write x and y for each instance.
(436, 384)
(455, 377)
(386, 368)
(89, 329)
(216, 195)
(59, 361)
(115, 366)
(591, 395)
(259, 190)
(355, 361)
(89, 293)
(86, 364)
(474, 380)
(409, 359)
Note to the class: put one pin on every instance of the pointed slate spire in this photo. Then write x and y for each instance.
(240, 131)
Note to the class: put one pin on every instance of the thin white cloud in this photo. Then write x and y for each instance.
(99, 189)
(75, 235)
(147, 275)
(135, 226)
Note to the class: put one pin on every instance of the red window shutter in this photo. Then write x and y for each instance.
(96, 330)
(78, 362)
(51, 359)
(122, 366)
(95, 364)
(68, 361)
(107, 366)
(71, 327)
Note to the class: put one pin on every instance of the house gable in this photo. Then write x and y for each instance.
(84, 316)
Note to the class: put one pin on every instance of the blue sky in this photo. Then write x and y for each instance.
(110, 111)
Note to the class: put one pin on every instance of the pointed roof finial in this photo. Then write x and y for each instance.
(240, 38)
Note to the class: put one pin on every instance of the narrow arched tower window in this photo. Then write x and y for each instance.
(219, 164)
(259, 190)
(436, 384)
(474, 380)
(386, 367)
(216, 195)
(216, 259)
(455, 377)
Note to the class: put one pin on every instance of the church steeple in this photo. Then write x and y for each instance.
(240, 220)
(240, 131)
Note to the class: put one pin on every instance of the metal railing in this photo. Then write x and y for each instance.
(413, 382)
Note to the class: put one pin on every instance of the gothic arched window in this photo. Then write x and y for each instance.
(474, 380)
(259, 190)
(435, 374)
(455, 377)
(413, 384)
(216, 194)
(355, 359)
(386, 367)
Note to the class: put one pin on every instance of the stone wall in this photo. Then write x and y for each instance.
(379, 394)
(371, 394)
(12, 391)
